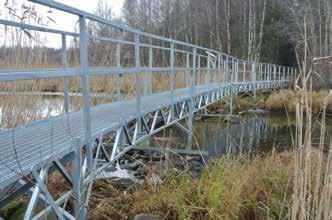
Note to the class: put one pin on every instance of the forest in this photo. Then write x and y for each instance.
(270, 31)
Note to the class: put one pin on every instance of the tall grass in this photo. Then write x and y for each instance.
(286, 99)
(312, 189)
(230, 188)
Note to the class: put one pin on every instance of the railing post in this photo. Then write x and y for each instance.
(191, 104)
(274, 72)
(288, 73)
(65, 79)
(147, 75)
(208, 71)
(284, 74)
(219, 69)
(171, 79)
(77, 178)
(85, 88)
(151, 73)
(237, 70)
(198, 68)
(118, 76)
(279, 73)
(244, 71)
(226, 70)
(138, 84)
(233, 70)
(253, 70)
(187, 70)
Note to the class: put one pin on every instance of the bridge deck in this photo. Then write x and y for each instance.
(25, 146)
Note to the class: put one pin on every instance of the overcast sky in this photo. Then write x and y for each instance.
(63, 21)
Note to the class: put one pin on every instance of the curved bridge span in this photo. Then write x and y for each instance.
(81, 144)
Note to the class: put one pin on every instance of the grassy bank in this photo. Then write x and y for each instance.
(279, 101)
(229, 188)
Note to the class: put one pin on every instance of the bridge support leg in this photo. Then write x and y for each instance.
(77, 178)
(190, 125)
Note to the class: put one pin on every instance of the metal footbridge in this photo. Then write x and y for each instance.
(81, 144)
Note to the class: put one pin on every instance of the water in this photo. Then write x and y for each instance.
(253, 133)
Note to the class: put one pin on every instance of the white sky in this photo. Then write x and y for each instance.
(64, 21)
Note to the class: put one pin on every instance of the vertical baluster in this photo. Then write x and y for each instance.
(237, 70)
(288, 73)
(65, 79)
(118, 76)
(191, 103)
(244, 71)
(199, 69)
(233, 69)
(253, 76)
(226, 70)
(187, 70)
(208, 70)
(219, 69)
(85, 88)
(138, 84)
(150, 74)
(171, 79)
(279, 77)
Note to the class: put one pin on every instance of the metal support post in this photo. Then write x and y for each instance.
(244, 71)
(171, 79)
(191, 102)
(138, 85)
(208, 71)
(65, 79)
(219, 69)
(118, 76)
(199, 69)
(187, 70)
(85, 89)
(226, 71)
(77, 178)
(253, 72)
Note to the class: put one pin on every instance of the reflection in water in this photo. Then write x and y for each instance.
(25, 109)
(253, 133)
(21, 110)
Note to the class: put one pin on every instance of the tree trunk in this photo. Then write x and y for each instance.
(258, 54)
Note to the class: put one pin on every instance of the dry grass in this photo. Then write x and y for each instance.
(230, 188)
(286, 99)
